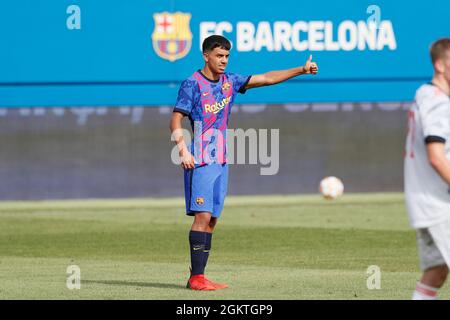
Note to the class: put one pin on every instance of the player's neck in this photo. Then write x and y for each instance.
(441, 83)
(207, 72)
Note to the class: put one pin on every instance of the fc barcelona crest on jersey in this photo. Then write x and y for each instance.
(200, 201)
(172, 37)
(226, 86)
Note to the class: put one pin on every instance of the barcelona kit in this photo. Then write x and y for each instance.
(207, 103)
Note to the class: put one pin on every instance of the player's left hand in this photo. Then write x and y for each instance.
(310, 66)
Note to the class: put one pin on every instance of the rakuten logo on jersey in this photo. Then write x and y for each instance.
(305, 35)
(216, 107)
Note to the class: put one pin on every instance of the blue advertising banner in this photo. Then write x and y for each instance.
(115, 53)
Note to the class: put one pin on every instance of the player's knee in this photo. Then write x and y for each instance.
(212, 222)
(202, 220)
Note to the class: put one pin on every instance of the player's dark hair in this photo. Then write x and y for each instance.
(215, 41)
(439, 49)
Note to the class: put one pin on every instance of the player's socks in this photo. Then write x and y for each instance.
(208, 240)
(206, 255)
(197, 244)
(424, 292)
(197, 280)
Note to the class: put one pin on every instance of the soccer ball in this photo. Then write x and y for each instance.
(331, 188)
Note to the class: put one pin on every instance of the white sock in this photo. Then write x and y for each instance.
(424, 292)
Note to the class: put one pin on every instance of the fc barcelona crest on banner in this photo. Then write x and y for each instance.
(172, 37)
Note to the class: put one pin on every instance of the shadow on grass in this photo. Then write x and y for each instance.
(136, 284)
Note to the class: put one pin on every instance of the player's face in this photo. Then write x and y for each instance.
(217, 60)
(443, 67)
(446, 63)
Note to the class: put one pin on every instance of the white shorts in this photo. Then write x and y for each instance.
(434, 245)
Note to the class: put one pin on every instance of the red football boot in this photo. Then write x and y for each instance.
(216, 285)
(198, 282)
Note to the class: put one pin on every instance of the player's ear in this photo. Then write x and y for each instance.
(206, 56)
(439, 66)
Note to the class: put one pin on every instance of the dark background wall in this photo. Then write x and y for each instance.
(54, 153)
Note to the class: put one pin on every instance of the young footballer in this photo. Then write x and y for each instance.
(206, 98)
(427, 173)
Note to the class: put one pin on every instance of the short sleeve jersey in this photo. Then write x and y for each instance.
(427, 194)
(208, 104)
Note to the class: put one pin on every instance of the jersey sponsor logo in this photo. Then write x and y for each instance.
(200, 201)
(216, 107)
(172, 37)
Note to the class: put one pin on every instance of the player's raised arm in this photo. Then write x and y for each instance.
(274, 77)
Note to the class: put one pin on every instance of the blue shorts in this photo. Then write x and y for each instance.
(205, 189)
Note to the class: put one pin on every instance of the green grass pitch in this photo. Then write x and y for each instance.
(264, 247)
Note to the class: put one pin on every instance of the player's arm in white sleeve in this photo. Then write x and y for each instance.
(274, 77)
(436, 130)
(438, 160)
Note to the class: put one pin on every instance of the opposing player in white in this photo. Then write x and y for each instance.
(427, 173)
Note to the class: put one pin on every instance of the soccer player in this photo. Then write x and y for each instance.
(206, 98)
(427, 173)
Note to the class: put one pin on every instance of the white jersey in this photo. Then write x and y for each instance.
(427, 194)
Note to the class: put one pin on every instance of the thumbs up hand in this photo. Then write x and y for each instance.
(310, 67)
